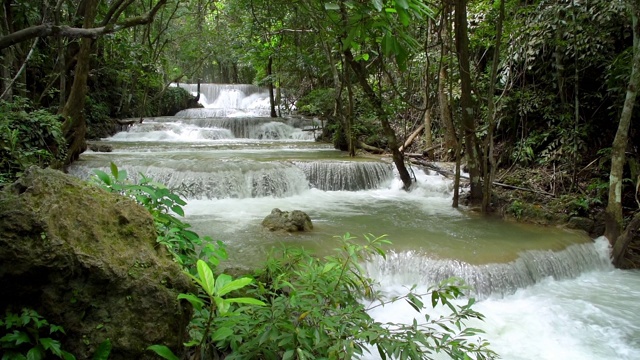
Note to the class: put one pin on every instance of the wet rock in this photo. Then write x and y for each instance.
(581, 223)
(87, 260)
(100, 147)
(293, 221)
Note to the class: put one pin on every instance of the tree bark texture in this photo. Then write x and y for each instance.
(74, 127)
(466, 103)
(376, 102)
(489, 167)
(272, 100)
(622, 242)
(450, 137)
(613, 213)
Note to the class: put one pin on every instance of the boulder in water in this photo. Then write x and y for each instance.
(87, 260)
(293, 221)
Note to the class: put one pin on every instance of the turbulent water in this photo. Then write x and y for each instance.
(547, 293)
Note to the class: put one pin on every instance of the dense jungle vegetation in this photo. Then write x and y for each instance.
(537, 94)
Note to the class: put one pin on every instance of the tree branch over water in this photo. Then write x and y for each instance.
(48, 29)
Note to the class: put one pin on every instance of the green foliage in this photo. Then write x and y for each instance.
(318, 102)
(516, 208)
(27, 137)
(316, 309)
(185, 245)
(29, 336)
(210, 304)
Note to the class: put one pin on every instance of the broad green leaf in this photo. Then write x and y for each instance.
(250, 301)
(17, 337)
(331, 6)
(222, 305)
(288, 354)
(402, 4)
(114, 170)
(177, 209)
(377, 4)
(103, 176)
(195, 301)
(328, 266)
(103, 351)
(234, 285)
(221, 334)
(122, 175)
(50, 344)
(388, 44)
(206, 277)
(403, 16)
(163, 351)
(35, 353)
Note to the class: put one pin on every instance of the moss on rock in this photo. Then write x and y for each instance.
(87, 260)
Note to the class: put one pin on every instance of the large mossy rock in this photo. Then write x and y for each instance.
(87, 260)
(293, 221)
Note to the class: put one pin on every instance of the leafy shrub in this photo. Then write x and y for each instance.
(28, 137)
(29, 336)
(315, 310)
(172, 100)
(319, 102)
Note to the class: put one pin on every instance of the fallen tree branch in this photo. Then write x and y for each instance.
(370, 148)
(447, 173)
(412, 137)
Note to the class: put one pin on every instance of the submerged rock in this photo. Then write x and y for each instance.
(87, 260)
(293, 221)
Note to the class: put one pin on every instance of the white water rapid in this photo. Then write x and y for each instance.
(546, 293)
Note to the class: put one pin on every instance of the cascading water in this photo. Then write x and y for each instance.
(547, 293)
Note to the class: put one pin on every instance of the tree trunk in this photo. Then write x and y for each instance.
(466, 103)
(613, 213)
(450, 138)
(74, 127)
(376, 102)
(623, 241)
(489, 160)
(272, 100)
(7, 74)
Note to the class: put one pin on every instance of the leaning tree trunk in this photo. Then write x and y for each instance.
(272, 100)
(468, 122)
(613, 213)
(74, 127)
(376, 102)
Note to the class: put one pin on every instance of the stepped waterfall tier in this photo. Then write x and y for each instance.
(547, 293)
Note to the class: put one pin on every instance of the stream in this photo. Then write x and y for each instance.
(546, 293)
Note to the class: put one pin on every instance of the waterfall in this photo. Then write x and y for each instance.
(235, 180)
(498, 279)
(227, 99)
(346, 175)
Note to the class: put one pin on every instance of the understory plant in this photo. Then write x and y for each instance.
(30, 336)
(318, 308)
(28, 137)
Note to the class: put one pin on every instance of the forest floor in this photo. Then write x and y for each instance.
(574, 208)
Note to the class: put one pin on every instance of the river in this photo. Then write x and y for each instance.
(547, 293)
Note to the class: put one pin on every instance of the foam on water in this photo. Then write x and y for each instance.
(595, 316)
